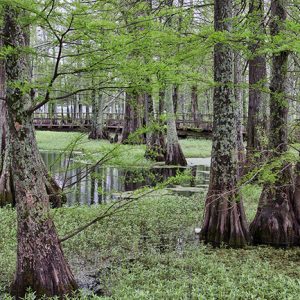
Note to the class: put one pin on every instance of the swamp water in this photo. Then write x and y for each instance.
(85, 184)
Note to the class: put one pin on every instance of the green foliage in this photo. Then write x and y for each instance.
(124, 44)
(150, 252)
(271, 169)
(250, 194)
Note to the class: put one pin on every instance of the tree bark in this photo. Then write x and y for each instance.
(133, 119)
(257, 75)
(224, 219)
(277, 221)
(98, 131)
(41, 265)
(156, 146)
(194, 104)
(52, 112)
(174, 155)
(87, 114)
(62, 114)
(175, 98)
(239, 100)
(69, 118)
(149, 116)
(80, 113)
(7, 196)
(6, 184)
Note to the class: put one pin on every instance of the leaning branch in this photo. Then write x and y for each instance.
(113, 209)
(56, 68)
(118, 206)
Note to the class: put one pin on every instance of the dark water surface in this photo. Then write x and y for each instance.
(85, 184)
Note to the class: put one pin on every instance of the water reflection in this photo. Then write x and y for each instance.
(89, 185)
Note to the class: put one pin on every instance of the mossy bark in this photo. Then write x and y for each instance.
(277, 221)
(239, 101)
(7, 191)
(41, 265)
(40, 261)
(6, 186)
(6, 182)
(224, 219)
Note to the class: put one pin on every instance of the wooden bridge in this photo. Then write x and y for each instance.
(187, 124)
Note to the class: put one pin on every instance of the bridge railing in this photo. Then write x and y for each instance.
(116, 120)
(58, 116)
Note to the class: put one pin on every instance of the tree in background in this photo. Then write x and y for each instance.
(174, 154)
(257, 119)
(133, 118)
(97, 127)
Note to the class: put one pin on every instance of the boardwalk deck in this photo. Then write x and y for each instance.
(186, 125)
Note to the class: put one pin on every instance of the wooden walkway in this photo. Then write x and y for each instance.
(186, 124)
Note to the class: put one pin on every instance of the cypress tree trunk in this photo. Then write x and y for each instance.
(149, 116)
(98, 131)
(6, 186)
(129, 124)
(40, 261)
(74, 107)
(194, 104)
(239, 101)
(277, 219)
(161, 103)
(175, 98)
(80, 113)
(156, 145)
(257, 76)
(224, 220)
(52, 112)
(133, 119)
(87, 114)
(296, 196)
(62, 114)
(7, 195)
(6, 183)
(69, 118)
(174, 155)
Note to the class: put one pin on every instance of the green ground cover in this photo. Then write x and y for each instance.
(150, 252)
